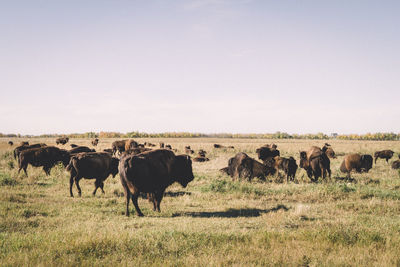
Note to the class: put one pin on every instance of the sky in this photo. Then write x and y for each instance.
(209, 66)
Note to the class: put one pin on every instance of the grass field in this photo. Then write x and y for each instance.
(213, 222)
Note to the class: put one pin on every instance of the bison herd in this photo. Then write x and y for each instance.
(143, 169)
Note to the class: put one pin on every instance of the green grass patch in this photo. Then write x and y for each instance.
(6, 179)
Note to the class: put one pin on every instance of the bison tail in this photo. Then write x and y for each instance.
(70, 165)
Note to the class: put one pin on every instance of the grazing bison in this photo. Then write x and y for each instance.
(288, 165)
(10, 143)
(95, 142)
(162, 145)
(80, 149)
(267, 151)
(218, 146)
(357, 162)
(384, 154)
(243, 166)
(315, 162)
(24, 143)
(188, 150)
(202, 153)
(73, 145)
(62, 140)
(45, 157)
(94, 165)
(396, 164)
(118, 146)
(18, 149)
(152, 172)
(168, 147)
(200, 159)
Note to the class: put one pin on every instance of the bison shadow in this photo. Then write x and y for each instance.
(168, 194)
(231, 213)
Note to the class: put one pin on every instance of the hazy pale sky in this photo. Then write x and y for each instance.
(205, 66)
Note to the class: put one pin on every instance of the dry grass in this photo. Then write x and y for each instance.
(214, 221)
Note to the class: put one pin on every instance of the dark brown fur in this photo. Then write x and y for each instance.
(18, 149)
(396, 164)
(383, 154)
(73, 145)
(243, 166)
(95, 142)
(267, 151)
(152, 172)
(94, 165)
(80, 149)
(315, 162)
(200, 159)
(62, 140)
(118, 146)
(45, 157)
(10, 143)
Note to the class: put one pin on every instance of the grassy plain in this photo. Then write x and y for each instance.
(213, 222)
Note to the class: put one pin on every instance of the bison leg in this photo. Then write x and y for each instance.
(46, 170)
(159, 197)
(71, 182)
(376, 159)
(77, 185)
(134, 198)
(97, 184)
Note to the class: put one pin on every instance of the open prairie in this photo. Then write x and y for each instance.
(214, 221)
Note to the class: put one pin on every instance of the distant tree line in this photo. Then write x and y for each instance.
(277, 135)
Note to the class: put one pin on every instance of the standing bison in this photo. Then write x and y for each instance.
(10, 143)
(45, 157)
(357, 162)
(19, 149)
(152, 172)
(267, 151)
(243, 166)
(80, 149)
(92, 165)
(384, 154)
(118, 146)
(95, 141)
(315, 162)
(62, 140)
(288, 165)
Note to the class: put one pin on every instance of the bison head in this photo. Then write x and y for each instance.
(303, 160)
(366, 162)
(182, 170)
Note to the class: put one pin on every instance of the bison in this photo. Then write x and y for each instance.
(80, 149)
(62, 140)
(18, 149)
(357, 162)
(152, 172)
(95, 142)
(202, 153)
(243, 166)
(383, 154)
(288, 165)
(24, 143)
(315, 162)
(73, 145)
(200, 159)
(118, 146)
(135, 151)
(130, 144)
(162, 145)
(396, 164)
(267, 151)
(92, 165)
(188, 150)
(10, 143)
(45, 157)
(149, 144)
